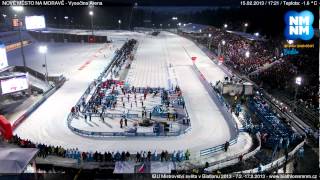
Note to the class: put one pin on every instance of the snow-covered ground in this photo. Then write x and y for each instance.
(111, 34)
(48, 123)
(113, 124)
(62, 58)
(149, 69)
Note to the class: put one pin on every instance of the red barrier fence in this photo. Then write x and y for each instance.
(5, 128)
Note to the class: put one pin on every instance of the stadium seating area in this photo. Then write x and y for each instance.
(267, 65)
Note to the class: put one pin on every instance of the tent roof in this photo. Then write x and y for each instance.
(15, 160)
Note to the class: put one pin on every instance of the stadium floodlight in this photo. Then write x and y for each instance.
(184, 24)
(290, 41)
(247, 54)
(43, 49)
(174, 18)
(179, 24)
(223, 42)
(4, 15)
(298, 80)
(91, 15)
(119, 23)
(225, 25)
(200, 30)
(256, 34)
(246, 24)
(66, 17)
(17, 8)
(209, 35)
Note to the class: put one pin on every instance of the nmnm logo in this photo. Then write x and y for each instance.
(299, 25)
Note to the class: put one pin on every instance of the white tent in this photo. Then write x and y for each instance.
(15, 160)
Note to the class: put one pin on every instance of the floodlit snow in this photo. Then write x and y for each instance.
(62, 58)
(48, 123)
(149, 69)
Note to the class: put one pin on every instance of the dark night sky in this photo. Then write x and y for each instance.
(267, 20)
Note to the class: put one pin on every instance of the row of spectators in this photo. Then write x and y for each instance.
(74, 153)
(235, 47)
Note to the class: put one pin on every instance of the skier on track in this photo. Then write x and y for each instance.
(121, 123)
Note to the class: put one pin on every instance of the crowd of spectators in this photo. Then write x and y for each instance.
(235, 48)
(74, 153)
(266, 64)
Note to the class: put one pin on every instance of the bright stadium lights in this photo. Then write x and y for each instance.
(119, 23)
(174, 18)
(184, 25)
(209, 35)
(179, 24)
(17, 8)
(91, 15)
(256, 34)
(246, 24)
(66, 17)
(43, 49)
(223, 42)
(200, 30)
(298, 80)
(4, 15)
(290, 41)
(225, 25)
(247, 54)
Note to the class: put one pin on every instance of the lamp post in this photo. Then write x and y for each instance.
(298, 82)
(19, 9)
(4, 18)
(43, 50)
(119, 23)
(220, 50)
(66, 20)
(209, 41)
(131, 15)
(245, 26)
(91, 15)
